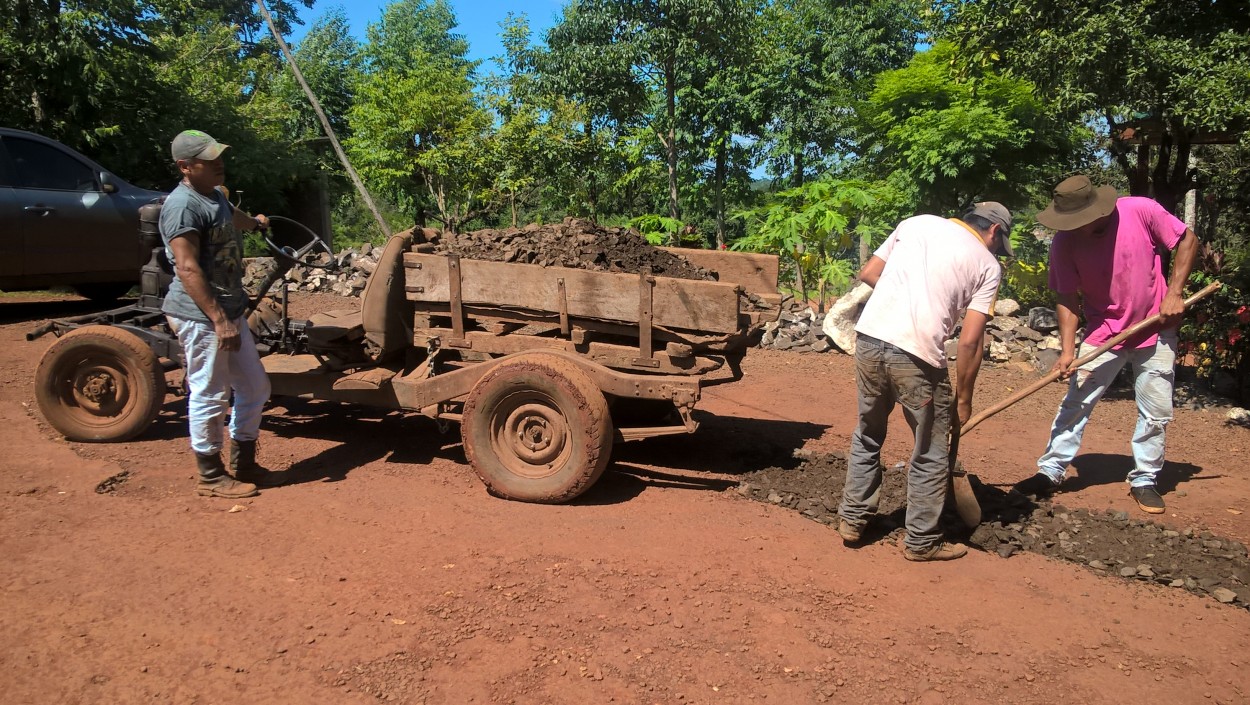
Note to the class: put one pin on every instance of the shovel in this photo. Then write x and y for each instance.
(966, 504)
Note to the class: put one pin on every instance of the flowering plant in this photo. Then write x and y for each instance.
(1215, 335)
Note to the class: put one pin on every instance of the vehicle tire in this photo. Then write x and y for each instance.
(99, 383)
(537, 429)
(103, 293)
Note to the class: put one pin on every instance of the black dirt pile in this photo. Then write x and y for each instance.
(1113, 543)
(574, 243)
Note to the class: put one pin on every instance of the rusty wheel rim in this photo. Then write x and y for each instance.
(529, 435)
(97, 388)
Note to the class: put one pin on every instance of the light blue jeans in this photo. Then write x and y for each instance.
(211, 375)
(1152, 387)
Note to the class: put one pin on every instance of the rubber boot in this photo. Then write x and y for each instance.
(214, 482)
(244, 467)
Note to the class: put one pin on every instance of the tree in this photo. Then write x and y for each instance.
(331, 62)
(816, 227)
(91, 74)
(820, 62)
(943, 141)
(418, 131)
(1158, 75)
(717, 107)
(629, 59)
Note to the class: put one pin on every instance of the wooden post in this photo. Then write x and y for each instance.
(564, 308)
(457, 304)
(646, 285)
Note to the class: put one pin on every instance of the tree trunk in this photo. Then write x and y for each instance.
(796, 179)
(670, 90)
(722, 159)
(798, 274)
(592, 194)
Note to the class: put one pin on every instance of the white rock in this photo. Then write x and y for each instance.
(1239, 415)
(1006, 307)
(839, 323)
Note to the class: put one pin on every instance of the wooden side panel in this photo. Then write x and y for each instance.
(757, 273)
(678, 303)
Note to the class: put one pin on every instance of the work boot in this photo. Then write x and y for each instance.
(214, 482)
(1037, 487)
(244, 467)
(940, 551)
(850, 533)
(1148, 499)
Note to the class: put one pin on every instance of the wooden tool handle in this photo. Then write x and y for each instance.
(1054, 375)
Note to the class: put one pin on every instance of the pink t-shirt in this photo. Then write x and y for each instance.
(1119, 275)
(935, 269)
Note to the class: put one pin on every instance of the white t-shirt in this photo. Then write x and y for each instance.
(935, 269)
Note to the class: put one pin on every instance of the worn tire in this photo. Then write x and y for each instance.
(100, 383)
(537, 429)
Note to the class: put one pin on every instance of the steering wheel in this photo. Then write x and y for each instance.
(303, 256)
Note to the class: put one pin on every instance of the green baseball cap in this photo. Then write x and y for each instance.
(193, 144)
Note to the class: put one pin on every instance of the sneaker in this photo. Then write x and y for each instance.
(849, 532)
(1040, 485)
(940, 551)
(226, 486)
(1147, 498)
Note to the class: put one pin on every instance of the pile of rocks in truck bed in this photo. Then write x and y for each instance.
(575, 243)
(1014, 337)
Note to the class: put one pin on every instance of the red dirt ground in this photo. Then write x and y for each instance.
(387, 573)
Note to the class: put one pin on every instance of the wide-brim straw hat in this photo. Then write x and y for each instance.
(1077, 203)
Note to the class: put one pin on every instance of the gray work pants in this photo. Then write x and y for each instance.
(885, 374)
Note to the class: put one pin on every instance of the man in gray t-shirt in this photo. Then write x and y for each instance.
(207, 307)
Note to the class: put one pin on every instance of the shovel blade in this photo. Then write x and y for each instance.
(966, 504)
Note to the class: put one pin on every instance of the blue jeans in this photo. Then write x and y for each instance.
(211, 375)
(885, 374)
(1152, 386)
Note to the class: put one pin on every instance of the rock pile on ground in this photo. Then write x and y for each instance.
(1113, 543)
(575, 243)
(1023, 339)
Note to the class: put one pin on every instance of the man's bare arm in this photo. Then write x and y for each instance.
(186, 249)
(1066, 312)
(968, 361)
(1173, 305)
(871, 271)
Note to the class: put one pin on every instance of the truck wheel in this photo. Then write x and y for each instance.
(537, 429)
(99, 383)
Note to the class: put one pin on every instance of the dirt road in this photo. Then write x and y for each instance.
(385, 572)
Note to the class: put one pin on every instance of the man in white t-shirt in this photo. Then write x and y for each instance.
(929, 272)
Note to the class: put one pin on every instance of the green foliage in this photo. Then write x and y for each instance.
(1165, 69)
(819, 61)
(1027, 283)
(944, 141)
(1186, 61)
(816, 227)
(1215, 335)
(658, 229)
(419, 134)
(94, 76)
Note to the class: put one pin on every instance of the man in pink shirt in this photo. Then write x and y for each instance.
(1105, 262)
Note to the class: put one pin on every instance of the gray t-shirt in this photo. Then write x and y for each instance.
(221, 251)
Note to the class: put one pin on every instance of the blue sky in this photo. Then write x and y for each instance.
(479, 20)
